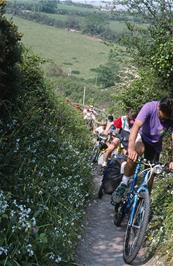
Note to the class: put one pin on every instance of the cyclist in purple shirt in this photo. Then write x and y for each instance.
(146, 135)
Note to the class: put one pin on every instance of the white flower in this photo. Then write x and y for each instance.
(58, 259)
(30, 250)
(3, 251)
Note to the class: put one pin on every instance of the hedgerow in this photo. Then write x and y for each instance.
(45, 174)
(160, 227)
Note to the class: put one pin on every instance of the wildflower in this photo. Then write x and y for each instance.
(3, 203)
(55, 258)
(29, 250)
(3, 251)
(12, 213)
(33, 221)
(51, 257)
(40, 173)
(52, 140)
(58, 259)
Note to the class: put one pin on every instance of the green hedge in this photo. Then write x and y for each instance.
(10, 56)
(161, 228)
(45, 174)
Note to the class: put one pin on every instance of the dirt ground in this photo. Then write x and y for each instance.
(102, 242)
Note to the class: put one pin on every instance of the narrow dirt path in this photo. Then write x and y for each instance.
(102, 242)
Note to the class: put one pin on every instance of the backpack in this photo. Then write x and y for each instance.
(124, 138)
(112, 174)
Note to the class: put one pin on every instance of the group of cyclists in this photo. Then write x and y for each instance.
(139, 133)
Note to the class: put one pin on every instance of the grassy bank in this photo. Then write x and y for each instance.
(45, 174)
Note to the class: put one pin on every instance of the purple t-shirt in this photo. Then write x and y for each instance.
(153, 129)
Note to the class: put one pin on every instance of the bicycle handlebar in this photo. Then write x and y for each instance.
(100, 136)
(156, 167)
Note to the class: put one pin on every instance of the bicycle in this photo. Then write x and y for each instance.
(136, 203)
(99, 147)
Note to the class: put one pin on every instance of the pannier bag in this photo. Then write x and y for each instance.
(124, 138)
(112, 175)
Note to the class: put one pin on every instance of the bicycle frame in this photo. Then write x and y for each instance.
(133, 196)
(137, 204)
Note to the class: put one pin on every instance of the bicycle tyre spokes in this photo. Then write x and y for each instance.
(135, 231)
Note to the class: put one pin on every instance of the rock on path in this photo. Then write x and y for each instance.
(102, 241)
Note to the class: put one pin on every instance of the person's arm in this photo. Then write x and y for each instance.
(106, 131)
(143, 114)
(132, 154)
(99, 123)
(95, 112)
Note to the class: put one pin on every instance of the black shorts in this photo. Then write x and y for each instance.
(150, 153)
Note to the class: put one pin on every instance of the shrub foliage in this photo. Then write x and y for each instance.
(10, 55)
(44, 169)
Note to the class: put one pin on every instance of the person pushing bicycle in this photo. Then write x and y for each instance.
(122, 126)
(146, 135)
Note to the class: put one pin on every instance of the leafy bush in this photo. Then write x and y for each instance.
(160, 228)
(44, 174)
(9, 57)
(55, 70)
(162, 61)
(152, 45)
(48, 6)
(73, 88)
(105, 76)
(142, 90)
(76, 72)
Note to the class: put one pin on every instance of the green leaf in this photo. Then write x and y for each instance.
(43, 238)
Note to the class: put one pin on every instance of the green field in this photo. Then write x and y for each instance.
(70, 50)
(117, 26)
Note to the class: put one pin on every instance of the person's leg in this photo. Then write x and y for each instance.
(93, 125)
(153, 156)
(128, 171)
(113, 145)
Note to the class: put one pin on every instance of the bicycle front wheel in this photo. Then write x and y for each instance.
(135, 232)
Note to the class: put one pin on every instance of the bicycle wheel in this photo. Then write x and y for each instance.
(95, 154)
(119, 213)
(135, 233)
(100, 192)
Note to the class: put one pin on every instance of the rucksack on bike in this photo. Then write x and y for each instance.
(112, 175)
(124, 138)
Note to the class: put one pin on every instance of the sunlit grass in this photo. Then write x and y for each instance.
(63, 47)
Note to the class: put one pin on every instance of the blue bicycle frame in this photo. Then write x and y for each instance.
(137, 204)
(133, 196)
